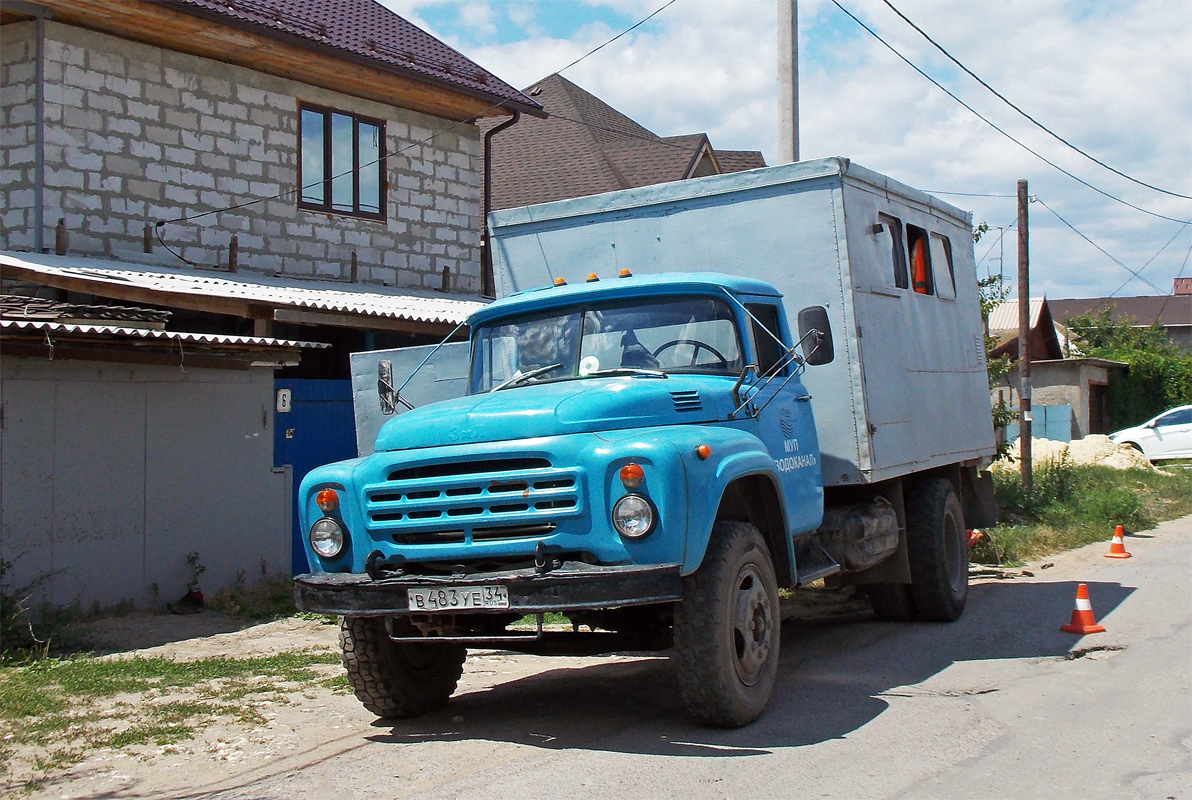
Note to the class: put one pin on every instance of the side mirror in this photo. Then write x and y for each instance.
(385, 391)
(1151, 424)
(815, 335)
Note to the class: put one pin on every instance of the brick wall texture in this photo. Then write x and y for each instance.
(135, 134)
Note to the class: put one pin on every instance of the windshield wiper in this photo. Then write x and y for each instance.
(652, 373)
(525, 376)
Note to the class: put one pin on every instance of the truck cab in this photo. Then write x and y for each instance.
(612, 432)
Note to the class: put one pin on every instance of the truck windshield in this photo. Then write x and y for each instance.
(651, 334)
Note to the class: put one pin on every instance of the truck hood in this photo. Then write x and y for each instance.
(552, 409)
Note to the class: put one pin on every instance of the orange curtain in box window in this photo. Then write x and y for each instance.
(920, 280)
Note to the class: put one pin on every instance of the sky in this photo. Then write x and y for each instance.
(1112, 78)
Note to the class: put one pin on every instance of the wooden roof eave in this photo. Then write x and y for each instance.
(277, 53)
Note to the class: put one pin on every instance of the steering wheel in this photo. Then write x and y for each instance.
(697, 345)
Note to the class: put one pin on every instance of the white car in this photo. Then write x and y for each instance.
(1168, 435)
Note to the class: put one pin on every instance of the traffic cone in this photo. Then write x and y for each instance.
(1083, 620)
(1118, 548)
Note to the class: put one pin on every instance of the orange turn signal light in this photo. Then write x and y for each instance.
(703, 451)
(327, 500)
(632, 476)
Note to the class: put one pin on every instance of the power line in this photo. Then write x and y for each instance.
(1135, 273)
(381, 160)
(1152, 258)
(990, 123)
(970, 194)
(1036, 122)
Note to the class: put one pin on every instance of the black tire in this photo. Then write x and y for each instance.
(938, 550)
(397, 680)
(727, 629)
(892, 602)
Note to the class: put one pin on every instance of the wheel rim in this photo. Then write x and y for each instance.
(954, 551)
(753, 624)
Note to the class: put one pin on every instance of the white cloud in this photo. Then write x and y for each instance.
(1111, 78)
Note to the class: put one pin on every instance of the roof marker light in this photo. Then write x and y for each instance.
(560, 281)
(624, 273)
(593, 277)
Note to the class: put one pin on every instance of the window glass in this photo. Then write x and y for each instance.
(941, 259)
(312, 156)
(920, 260)
(892, 235)
(368, 145)
(342, 159)
(1181, 417)
(766, 336)
(690, 334)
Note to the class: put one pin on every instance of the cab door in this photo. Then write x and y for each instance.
(784, 418)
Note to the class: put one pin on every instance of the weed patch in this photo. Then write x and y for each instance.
(1073, 505)
(55, 712)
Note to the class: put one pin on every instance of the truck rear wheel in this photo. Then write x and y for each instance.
(937, 547)
(727, 629)
(396, 680)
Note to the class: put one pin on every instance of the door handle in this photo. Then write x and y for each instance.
(803, 398)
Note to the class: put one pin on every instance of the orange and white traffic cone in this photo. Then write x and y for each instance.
(1083, 620)
(1118, 548)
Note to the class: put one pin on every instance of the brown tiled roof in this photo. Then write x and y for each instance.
(363, 31)
(586, 146)
(739, 160)
(1168, 310)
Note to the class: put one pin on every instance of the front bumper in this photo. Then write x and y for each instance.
(572, 586)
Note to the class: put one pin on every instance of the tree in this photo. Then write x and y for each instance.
(993, 291)
(1160, 374)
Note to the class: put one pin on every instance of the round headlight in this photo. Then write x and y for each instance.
(633, 516)
(327, 538)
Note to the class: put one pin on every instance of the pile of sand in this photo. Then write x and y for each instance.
(1095, 449)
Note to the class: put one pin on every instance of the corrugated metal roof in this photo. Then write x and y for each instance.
(1004, 316)
(150, 333)
(22, 307)
(315, 295)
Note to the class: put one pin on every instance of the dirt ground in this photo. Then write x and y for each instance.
(307, 724)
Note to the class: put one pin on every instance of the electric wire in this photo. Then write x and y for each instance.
(1099, 247)
(382, 159)
(991, 124)
(1034, 121)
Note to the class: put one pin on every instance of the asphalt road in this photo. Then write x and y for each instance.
(998, 705)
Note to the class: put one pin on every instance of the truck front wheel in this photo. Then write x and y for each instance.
(937, 547)
(727, 629)
(396, 680)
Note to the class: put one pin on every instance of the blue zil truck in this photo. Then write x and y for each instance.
(688, 397)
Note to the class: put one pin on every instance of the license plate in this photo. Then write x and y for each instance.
(458, 598)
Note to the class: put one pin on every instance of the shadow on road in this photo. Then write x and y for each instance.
(830, 682)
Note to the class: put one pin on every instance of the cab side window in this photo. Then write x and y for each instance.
(766, 336)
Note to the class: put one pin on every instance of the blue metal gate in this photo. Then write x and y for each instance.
(314, 425)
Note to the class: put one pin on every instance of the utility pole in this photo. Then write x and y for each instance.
(788, 81)
(1024, 343)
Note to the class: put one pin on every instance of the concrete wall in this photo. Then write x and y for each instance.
(112, 474)
(1057, 383)
(136, 134)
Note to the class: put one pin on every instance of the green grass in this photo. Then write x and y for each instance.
(1071, 506)
(58, 711)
